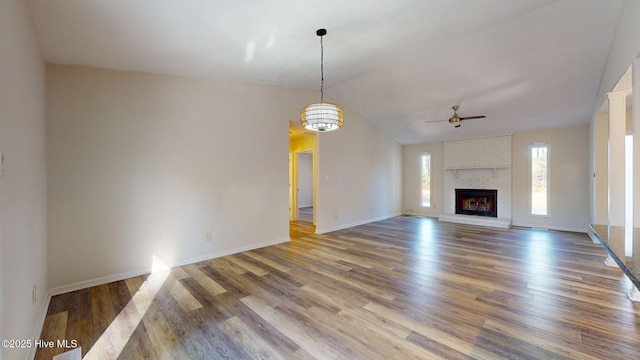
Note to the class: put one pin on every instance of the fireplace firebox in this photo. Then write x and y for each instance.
(480, 202)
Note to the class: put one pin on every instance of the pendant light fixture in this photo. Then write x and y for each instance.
(321, 116)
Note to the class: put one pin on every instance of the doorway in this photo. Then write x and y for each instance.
(301, 186)
(303, 164)
(305, 185)
(302, 195)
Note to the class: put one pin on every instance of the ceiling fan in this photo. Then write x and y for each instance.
(455, 119)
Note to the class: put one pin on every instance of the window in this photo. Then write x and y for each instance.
(539, 179)
(426, 179)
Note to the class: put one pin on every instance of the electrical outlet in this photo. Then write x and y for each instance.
(34, 296)
(208, 236)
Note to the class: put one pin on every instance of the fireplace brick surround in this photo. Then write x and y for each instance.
(479, 163)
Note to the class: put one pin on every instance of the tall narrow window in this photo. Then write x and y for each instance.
(426, 179)
(539, 179)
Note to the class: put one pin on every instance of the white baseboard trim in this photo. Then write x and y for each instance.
(230, 252)
(357, 223)
(129, 274)
(553, 227)
(37, 332)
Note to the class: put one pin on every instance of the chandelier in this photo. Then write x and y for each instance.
(321, 116)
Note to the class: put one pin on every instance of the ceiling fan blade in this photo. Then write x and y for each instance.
(473, 117)
(434, 121)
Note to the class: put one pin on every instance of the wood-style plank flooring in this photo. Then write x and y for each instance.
(401, 288)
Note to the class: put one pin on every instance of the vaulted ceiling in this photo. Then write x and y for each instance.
(526, 64)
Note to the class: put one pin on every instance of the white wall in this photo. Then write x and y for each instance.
(23, 195)
(359, 175)
(145, 165)
(411, 178)
(624, 49)
(599, 169)
(568, 178)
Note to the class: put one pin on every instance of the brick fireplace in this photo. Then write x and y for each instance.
(474, 165)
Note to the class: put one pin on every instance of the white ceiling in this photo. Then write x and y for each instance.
(526, 64)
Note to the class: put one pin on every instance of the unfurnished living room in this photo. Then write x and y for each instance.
(207, 179)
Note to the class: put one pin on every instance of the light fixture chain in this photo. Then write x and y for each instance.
(321, 70)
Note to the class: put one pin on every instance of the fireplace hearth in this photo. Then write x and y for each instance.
(479, 202)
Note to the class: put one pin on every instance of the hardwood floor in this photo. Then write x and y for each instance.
(402, 288)
(304, 225)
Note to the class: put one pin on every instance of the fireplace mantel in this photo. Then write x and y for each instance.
(455, 169)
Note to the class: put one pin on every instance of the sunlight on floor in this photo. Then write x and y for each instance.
(540, 254)
(426, 234)
(114, 339)
(75, 354)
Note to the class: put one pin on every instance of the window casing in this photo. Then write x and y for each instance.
(539, 185)
(425, 193)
